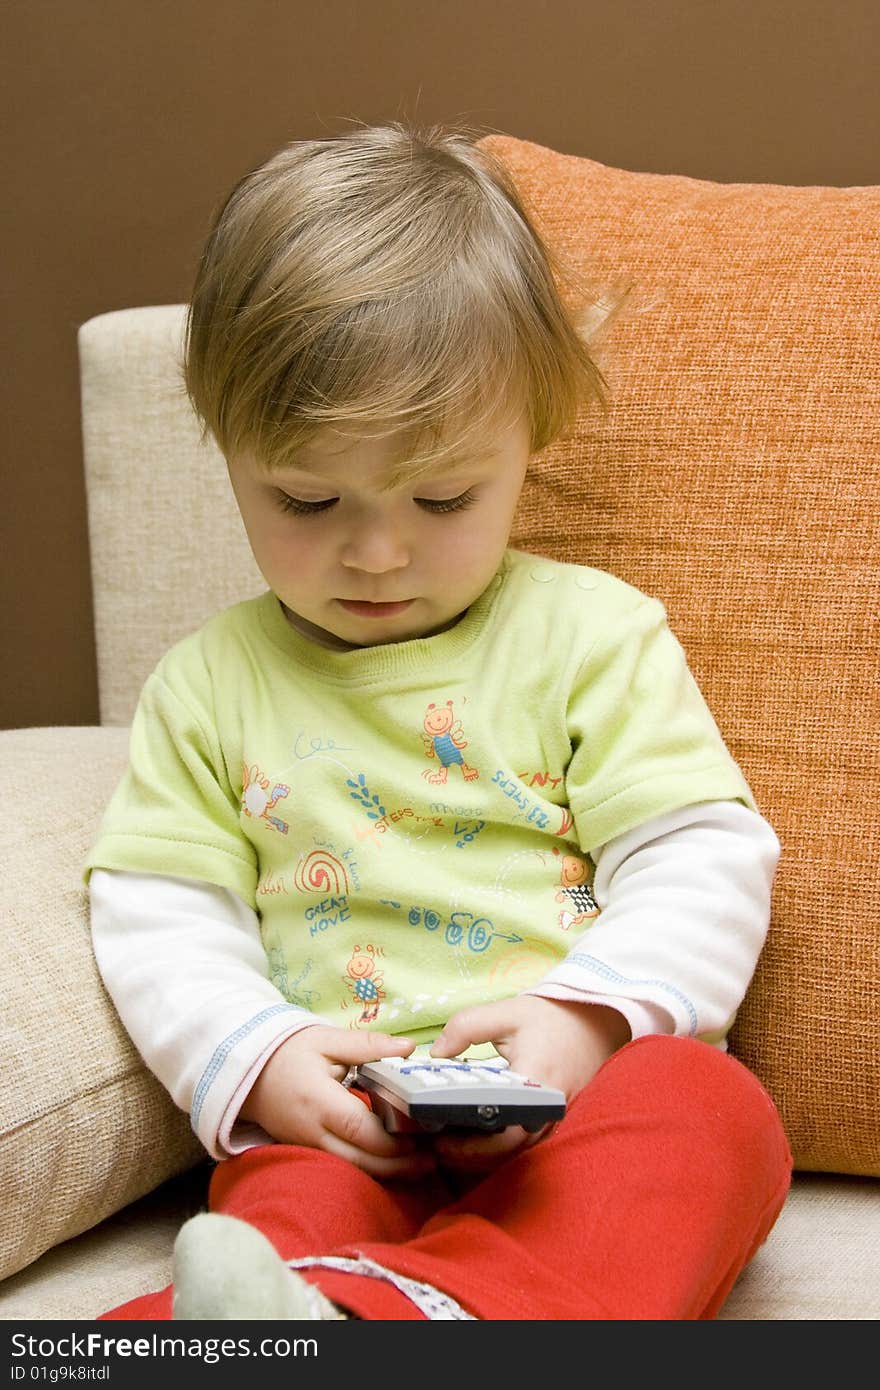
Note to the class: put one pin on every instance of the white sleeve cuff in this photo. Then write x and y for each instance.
(684, 911)
(184, 964)
(643, 1019)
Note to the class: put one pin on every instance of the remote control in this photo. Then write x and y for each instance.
(431, 1093)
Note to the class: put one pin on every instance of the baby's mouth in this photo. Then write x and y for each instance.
(362, 608)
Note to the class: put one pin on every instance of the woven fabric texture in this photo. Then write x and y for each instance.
(84, 1128)
(167, 545)
(736, 476)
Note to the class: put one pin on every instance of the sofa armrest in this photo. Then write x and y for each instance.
(84, 1127)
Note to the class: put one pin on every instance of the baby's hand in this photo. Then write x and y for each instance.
(298, 1099)
(559, 1043)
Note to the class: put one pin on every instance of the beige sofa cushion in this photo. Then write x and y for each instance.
(84, 1128)
(192, 556)
(737, 477)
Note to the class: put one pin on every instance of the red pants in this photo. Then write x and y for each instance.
(645, 1202)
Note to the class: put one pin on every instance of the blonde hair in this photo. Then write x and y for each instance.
(385, 278)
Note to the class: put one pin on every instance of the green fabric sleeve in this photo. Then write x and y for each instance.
(643, 739)
(176, 810)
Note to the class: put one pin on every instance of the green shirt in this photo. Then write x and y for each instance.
(413, 822)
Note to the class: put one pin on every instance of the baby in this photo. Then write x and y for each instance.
(429, 792)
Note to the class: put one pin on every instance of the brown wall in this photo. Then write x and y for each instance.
(125, 123)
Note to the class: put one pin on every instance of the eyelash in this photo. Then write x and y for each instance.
(298, 507)
(448, 504)
(442, 507)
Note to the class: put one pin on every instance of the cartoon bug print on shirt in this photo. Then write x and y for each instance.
(257, 800)
(365, 982)
(575, 893)
(443, 739)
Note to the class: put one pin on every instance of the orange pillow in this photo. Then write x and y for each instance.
(736, 476)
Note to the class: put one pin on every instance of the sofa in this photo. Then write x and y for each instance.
(735, 474)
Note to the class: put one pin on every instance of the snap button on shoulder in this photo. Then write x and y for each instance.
(542, 574)
(587, 579)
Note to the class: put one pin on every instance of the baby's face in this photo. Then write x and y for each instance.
(357, 562)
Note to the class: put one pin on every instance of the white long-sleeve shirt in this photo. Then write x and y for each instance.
(684, 899)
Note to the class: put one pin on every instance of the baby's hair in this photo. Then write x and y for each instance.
(387, 278)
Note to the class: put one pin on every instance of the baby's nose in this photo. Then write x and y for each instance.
(376, 547)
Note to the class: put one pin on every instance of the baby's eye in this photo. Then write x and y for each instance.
(300, 507)
(448, 504)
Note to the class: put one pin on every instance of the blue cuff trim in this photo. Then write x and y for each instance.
(598, 967)
(222, 1051)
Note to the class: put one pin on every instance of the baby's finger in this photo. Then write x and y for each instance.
(350, 1049)
(353, 1123)
(478, 1153)
(407, 1166)
(476, 1025)
(353, 1132)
